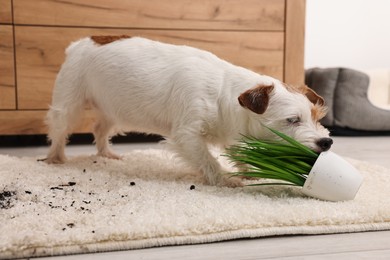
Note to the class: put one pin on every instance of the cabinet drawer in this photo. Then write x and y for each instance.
(5, 11)
(168, 14)
(7, 73)
(32, 122)
(40, 53)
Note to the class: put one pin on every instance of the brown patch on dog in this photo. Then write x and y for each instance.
(318, 112)
(256, 99)
(313, 96)
(102, 40)
(308, 92)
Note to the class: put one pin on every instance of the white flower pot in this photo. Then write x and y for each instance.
(332, 178)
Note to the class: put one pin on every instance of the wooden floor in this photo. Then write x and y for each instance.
(368, 245)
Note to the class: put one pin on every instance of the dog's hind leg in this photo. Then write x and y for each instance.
(61, 122)
(103, 131)
(66, 110)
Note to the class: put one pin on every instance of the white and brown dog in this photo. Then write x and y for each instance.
(187, 95)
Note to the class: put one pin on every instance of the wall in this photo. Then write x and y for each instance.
(348, 33)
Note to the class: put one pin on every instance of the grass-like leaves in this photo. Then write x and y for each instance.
(287, 161)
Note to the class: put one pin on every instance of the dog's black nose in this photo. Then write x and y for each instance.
(325, 143)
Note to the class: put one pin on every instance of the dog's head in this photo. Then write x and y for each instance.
(290, 110)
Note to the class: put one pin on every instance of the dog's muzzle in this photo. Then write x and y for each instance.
(324, 143)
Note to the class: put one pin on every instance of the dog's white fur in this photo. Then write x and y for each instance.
(187, 95)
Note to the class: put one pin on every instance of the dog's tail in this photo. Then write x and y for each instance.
(69, 93)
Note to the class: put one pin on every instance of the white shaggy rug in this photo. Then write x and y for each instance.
(150, 199)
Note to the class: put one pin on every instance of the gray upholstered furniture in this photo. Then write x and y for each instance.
(345, 94)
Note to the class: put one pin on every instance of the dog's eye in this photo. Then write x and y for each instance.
(293, 120)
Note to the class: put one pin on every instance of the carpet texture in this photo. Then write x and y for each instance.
(150, 198)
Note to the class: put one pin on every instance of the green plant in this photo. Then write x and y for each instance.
(286, 160)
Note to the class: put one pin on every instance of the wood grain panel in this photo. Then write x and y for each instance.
(295, 42)
(183, 14)
(5, 11)
(40, 52)
(7, 74)
(32, 122)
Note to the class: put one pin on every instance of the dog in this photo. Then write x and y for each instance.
(188, 95)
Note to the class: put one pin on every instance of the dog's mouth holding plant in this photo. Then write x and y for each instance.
(295, 111)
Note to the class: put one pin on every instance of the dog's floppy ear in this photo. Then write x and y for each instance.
(313, 96)
(256, 99)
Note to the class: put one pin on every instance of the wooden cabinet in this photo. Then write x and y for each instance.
(7, 66)
(5, 12)
(246, 15)
(263, 35)
(7, 72)
(40, 54)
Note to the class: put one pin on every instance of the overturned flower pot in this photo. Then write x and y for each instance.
(325, 176)
(332, 178)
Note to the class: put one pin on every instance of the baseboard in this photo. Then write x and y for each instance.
(41, 140)
(345, 131)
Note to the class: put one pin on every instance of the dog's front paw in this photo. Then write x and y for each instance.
(232, 182)
(54, 160)
(109, 155)
(224, 180)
